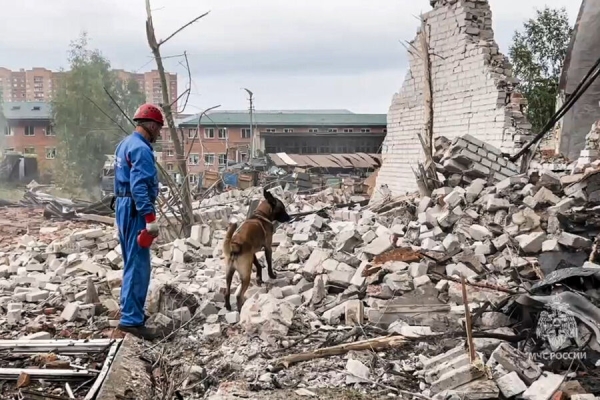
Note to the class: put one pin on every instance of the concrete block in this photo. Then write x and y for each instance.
(37, 296)
(514, 360)
(417, 269)
(460, 269)
(70, 312)
(212, 331)
(501, 242)
(474, 189)
(479, 232)
(532, 242)
(544, 387)
(574, 241)
(182, 314)
(354, 312)
(421, 281)
(378, 246)
(357, 372)
(494, 204)
(455, 378)
(511, 385)
(451, 243)
(232, 317)
(545, 196)
(550, 245)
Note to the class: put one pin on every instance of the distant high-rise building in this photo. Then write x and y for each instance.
(40, 84)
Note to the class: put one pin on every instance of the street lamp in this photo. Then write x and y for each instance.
(251, 125)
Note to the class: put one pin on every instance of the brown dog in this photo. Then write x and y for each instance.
(241, 245)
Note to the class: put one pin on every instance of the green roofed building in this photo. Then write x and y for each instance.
(220, 135)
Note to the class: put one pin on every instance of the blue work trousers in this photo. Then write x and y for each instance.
(136, 272)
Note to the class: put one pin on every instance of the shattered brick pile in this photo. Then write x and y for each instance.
(389, 269)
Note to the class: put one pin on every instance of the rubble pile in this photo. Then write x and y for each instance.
(383, 281)
(510, 237)
(220, 209)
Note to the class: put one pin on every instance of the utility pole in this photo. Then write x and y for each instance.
(251, 124)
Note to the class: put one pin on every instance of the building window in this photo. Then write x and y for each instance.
(348, 130)
(29, 131)
(246, 133)
(169, 167)
(209, 133)
(170, 152)
(194, 159)
(8, 131)
(313, 130)
(288, 130)
(222, 159)
(209, 159)
(29, 150)
(270, 130)
(192, 133)
(332, 130)
(50, 131)
(193, 178)
(50, 153)
(222, 133)
(365, 130)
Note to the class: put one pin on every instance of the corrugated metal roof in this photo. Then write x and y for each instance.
(287, 118)
(346, 161)
(27, 110)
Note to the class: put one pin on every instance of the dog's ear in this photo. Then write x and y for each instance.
(269, 197)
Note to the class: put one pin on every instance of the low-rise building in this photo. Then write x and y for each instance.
(28, 130)
(220, 138)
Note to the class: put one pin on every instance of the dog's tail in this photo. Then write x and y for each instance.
(231, 246)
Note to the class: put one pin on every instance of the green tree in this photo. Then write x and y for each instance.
(537, 55)
(85, 135)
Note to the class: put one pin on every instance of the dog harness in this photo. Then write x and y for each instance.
(251, 219)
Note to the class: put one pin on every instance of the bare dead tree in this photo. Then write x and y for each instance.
(186, 198)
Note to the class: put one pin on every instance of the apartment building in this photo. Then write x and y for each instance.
(41, 84)
(224, 137)
(28, 130)
(151, 86)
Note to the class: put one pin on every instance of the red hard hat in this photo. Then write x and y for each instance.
(149, 112)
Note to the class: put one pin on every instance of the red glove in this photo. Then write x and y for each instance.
(147, 236)
(145, 239)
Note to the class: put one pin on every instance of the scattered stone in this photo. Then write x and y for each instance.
(511, 385)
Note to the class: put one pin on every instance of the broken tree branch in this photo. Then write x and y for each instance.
(468, 322)
(427, 93)
(476, 284)
(186, 201)
(189, 89)
(376, 344)
(182, 28)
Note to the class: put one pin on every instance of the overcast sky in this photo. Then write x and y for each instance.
(315, 54)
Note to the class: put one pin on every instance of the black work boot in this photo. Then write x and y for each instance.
(143, 332)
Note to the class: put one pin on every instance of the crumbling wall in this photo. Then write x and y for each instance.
(473, 92)
(582, 55)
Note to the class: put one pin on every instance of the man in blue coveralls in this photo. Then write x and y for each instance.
(136, 190)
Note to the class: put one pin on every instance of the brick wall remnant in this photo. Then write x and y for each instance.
(473, 92)
(469, 158)
(590, 152)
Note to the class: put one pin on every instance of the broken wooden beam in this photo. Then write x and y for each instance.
(375, 344)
